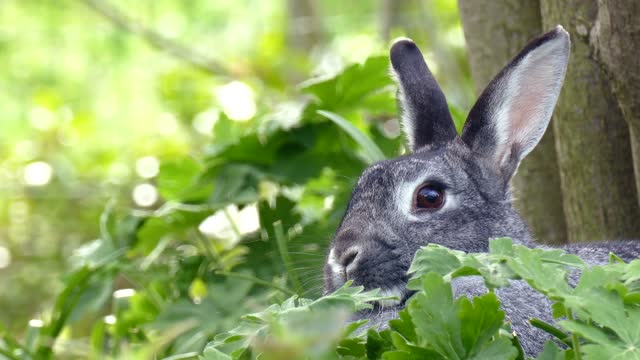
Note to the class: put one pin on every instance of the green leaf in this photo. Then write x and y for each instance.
(501, 348)
(170, 221)
(94, 253)
(97, 292)
(352, 86)
(462, 329)
(178, 180)
(211, 353)
(351, 347)
(235, 183)
(75, 285)
(371, 150)
(434, 258)
(481, 320)
(501, 246)
(590, 332)
(607, 308)
(632, 298)
(404, 326)
(549, 278)
(436, 319)
(378, 343)
(551, 351)
(558, 310)
(416, 354)
(301, 326)
(596, 352)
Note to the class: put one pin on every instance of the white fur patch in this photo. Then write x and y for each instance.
(404, 198)
(397, 291)
(407, 116)
(333, 263)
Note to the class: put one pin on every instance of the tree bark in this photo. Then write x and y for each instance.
(304, 25)
(389, 17)
(616, 38)
(494, 32)
(592, 138)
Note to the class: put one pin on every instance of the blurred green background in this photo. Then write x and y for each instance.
(175, 148)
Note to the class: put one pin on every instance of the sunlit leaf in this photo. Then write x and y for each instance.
(373, 153)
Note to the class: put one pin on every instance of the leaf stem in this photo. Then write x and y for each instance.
(281, 240)
(105, 216)
(550, 329)
(613, 258)
(209, 250)
(574, 338)
(9, 340)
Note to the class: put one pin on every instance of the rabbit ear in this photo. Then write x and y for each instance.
(511, 115)
(426, 118)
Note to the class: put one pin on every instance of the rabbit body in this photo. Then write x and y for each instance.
(454, 190)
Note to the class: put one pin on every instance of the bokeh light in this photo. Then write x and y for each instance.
(37, 173)
(36, 323)
(231, 224)
(236, 99)
(41, 118)
(110, 319)
(145, 195)
(5, 257)
(147, 167)
(123, 293)
(204, 121)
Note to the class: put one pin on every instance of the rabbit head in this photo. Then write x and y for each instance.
(452, 189)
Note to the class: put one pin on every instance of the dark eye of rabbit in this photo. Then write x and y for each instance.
(429, 197)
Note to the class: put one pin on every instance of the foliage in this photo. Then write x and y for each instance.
(242, 207)
(240, 227)
(243, 225)
(84, 104)
(600, 312)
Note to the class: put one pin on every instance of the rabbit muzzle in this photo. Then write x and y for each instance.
(365, 258)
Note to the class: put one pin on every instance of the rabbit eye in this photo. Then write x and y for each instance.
(429, 197)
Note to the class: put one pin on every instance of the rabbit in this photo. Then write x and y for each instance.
(454, 190)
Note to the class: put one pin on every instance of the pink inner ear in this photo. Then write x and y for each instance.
(513, 112)
(531, 92)
(525, 111)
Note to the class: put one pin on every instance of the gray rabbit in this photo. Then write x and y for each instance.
(455, 190)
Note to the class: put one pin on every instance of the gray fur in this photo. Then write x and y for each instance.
(381, 232)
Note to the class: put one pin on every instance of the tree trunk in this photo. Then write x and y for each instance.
(304, 25)
(592, 138)
(389, 17)
(494, 32)
(616, 37)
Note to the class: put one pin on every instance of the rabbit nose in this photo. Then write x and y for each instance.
(342, 262)
(348, 257)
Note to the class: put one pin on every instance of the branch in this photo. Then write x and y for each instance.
(155, 39)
